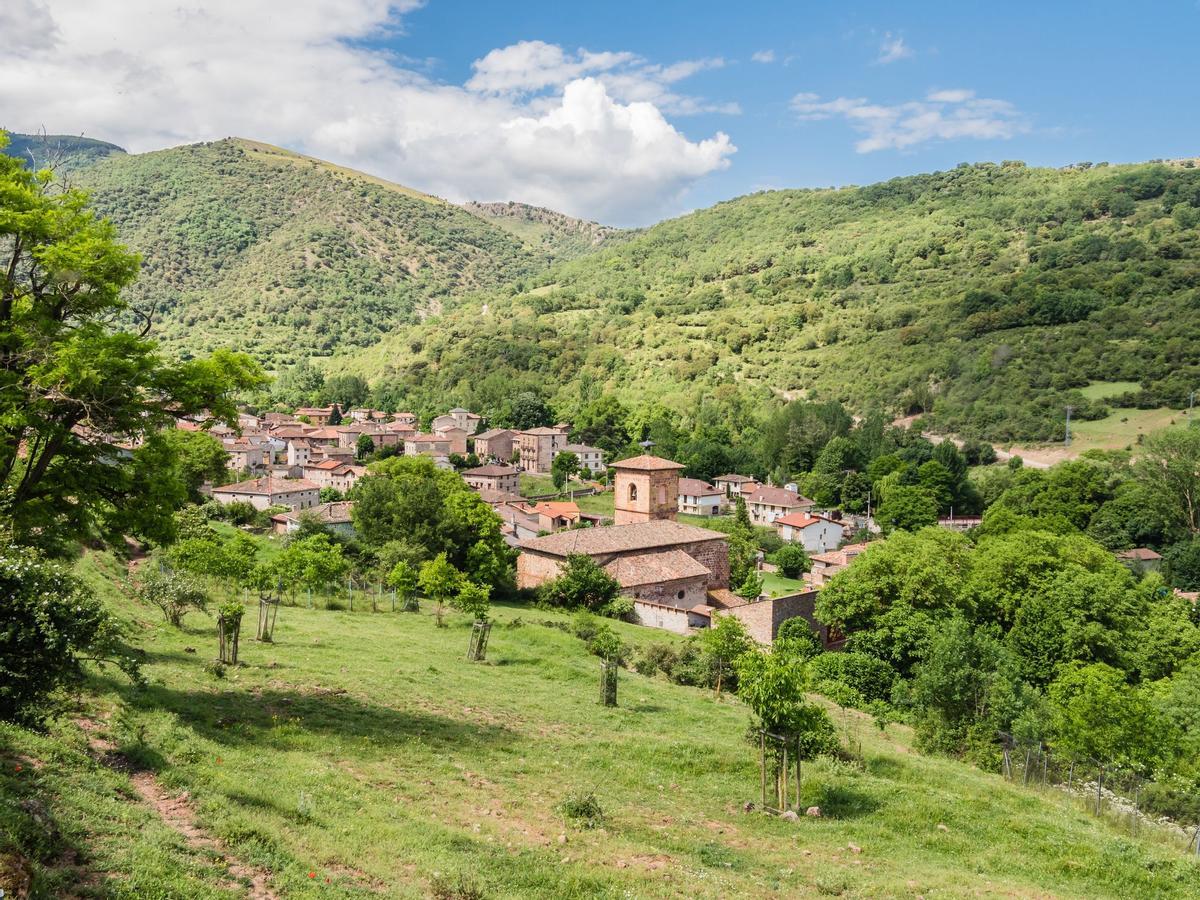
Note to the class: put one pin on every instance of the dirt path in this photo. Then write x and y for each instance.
(178, 814)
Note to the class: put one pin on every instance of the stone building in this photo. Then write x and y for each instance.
(504, 479)
(645, 488)
(495, 443)
(538, 447)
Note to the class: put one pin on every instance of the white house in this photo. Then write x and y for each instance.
(816, 534)
(699, 498)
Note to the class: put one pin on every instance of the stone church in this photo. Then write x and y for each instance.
(675, 573)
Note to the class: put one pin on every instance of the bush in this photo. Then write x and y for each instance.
(607, 645)
(871, 678)
(172, 592)
(792, 561)
(239, 512)
(582, 808)
(50, 622)
(797, 632)
(584, 625)
(655, 658)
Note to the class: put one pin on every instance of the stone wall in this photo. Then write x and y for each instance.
(657, 615)
(763, 617)
(667, 592)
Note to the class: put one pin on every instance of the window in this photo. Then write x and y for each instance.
(633, 492)
(680, 595)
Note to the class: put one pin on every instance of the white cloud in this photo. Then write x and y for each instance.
(943, 115)
(764, 56)
(582, 132)
(893, 49)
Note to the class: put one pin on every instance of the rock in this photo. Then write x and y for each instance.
(807, 852)
(562, 838)
(942, 827)
(814, 811)
(854, 848)
(790, 816)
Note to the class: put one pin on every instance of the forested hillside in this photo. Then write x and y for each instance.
(61, 151)
(984, 296)
(254, 248)
(558, 235)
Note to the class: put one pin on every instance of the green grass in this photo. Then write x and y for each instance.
(1102, 390)
(776, 585)
(363, 749)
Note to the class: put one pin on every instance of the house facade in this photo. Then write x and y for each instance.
(816, 534)
(699, 498)
(537, 448)
(267, 491)
(766, 504)
(591, 459)
(503, 479)
(645, 488)
(733, 485)
(334, 516)
(495, 444)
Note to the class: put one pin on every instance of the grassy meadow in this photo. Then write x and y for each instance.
(361, 756)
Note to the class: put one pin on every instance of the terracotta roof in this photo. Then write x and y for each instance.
(493, 433)
(724, 598)
(734, 478)
(653, 568)
(268, 484)
(542, 431)
(803, 520)
(495, 498)
(1142, 554)
(774, 496)
(425, 439)
(555, 508)
(621, 538)
(335, 513)
(325, 464)
(646, 463)
(492, 471)
(581, 448)
(694, 487)
(319, 410)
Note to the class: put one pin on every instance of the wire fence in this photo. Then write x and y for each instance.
(1120, 795)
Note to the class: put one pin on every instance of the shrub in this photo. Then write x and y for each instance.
(607, 645)
(584, 625)
(174, 593)
(798, 632)
(580, 583)
(872, 678)
(582, 808)
(658, 657)
(49, 623)
(791, 560)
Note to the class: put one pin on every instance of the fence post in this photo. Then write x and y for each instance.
(350, 591)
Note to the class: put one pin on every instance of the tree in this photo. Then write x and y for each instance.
(312, 562)
(50, 624)
(1097, 715)
(474, 600)
(743, 550)
(602, 423)
(199, 457)
(581, 583)
(330, 494)
(440, 582)
(1169, 469)
(364, 446)
(773, 686)
(299, 385)
(404, 578)
(724, 642)
(72, 389)
(564, 467)
(1183, 565)
(172, 592)
(524, 411)
(344, 391)
(792, 561)
(751, 587)
(906, 508)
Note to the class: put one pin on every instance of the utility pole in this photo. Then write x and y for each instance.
(1067, 442)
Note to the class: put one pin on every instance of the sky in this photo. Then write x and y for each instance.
(623, 112)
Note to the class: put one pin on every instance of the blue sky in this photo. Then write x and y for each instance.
(1091, 81)
(625, 112)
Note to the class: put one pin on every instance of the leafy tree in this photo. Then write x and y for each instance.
(173, 593)
(440, 582)
(751, 587)
(344, 391)
(364, 446)
(404, 577)
(906, 508)
(1169, 470)
(524, 411)
(199, 456)
(1183, 564)
(743, 549)
(474, 600)
(792, 561)
(581, 583)
(564, 466)
(312, 562)
(1097, 715)
(72, 389)
(330, 495)
(724, 642)
(773, 686)
(50, 624)
(602, 423)
(299, 385)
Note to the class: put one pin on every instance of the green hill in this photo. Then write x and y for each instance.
(987, 295)
(559, 236)
(64, 152)
(249, 246)
(360, 755)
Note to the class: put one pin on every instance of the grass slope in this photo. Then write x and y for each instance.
(988, 295)
(362, 749)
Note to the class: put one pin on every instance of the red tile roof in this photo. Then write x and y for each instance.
(646, 463)
(269, 485)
